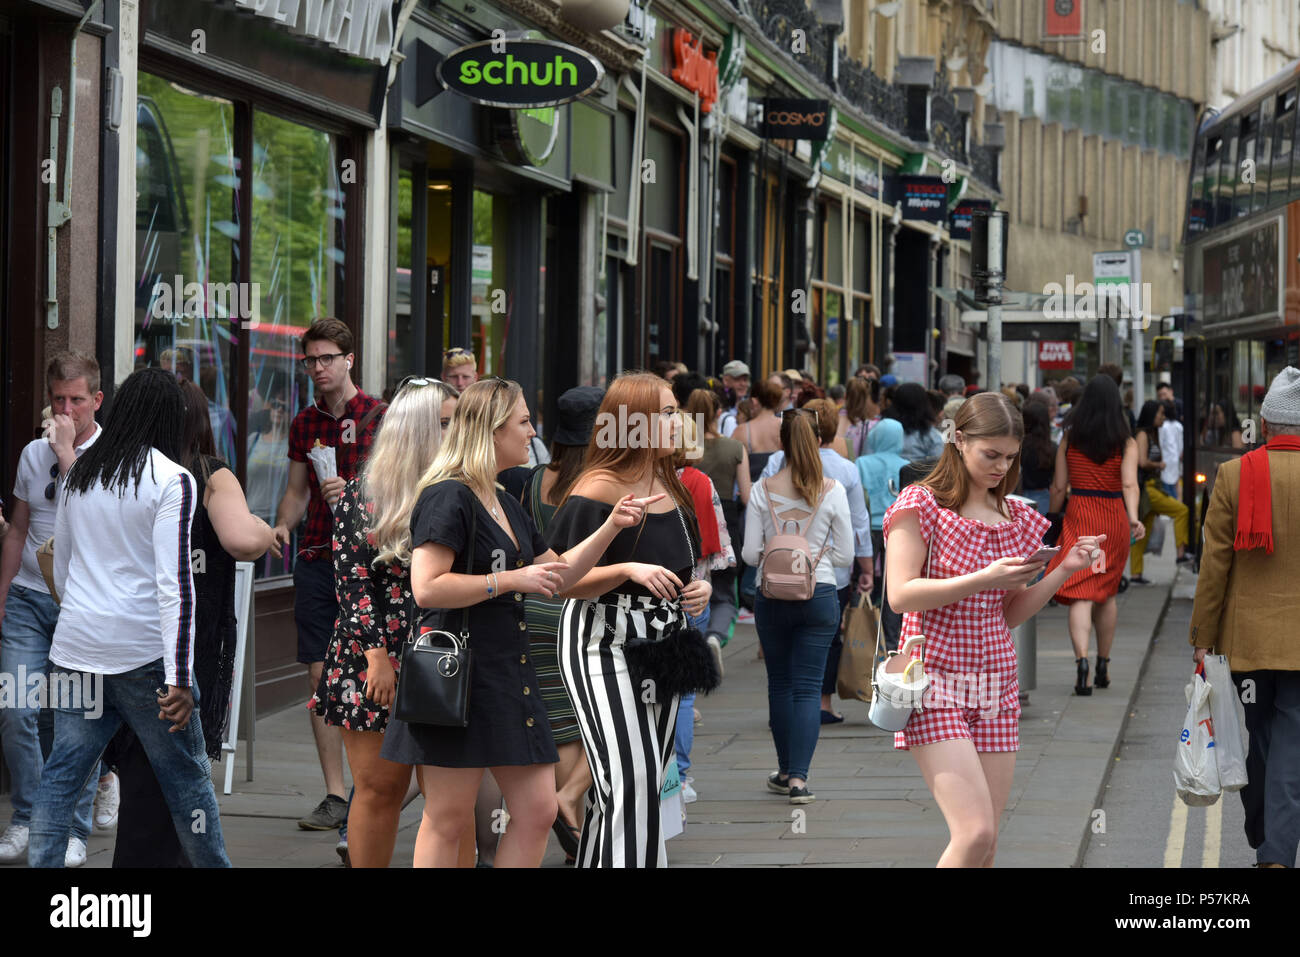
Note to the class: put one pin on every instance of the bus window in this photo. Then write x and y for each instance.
(1284, 132)
(1263, 155)
(1244, 162)
(1214, 209)
(1196, 220)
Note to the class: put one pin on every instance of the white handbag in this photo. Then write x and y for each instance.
(899, 681)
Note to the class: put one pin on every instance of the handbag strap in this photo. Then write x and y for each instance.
(469, 568)
(884, 597)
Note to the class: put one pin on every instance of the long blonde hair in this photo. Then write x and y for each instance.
(802, 454)
(409, 436)
(468, 454)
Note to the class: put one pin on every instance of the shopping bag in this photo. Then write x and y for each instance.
(672, 813)
(858, 659)
(1156, 540)
(1228, 715)
(1196, 767)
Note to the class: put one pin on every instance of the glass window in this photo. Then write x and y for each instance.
(1228, 176)
(1057, 87)
(1134, 123)
(1283, 133)
(296, 264)
(188, 305)
(1094, 92)
(489, 282)
(401, 358)
(1116, 104)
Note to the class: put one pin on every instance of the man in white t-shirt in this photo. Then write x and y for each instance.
(125, 635)
(1171, 449)
(27, 612)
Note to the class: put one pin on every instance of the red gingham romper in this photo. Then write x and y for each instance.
(969, 653)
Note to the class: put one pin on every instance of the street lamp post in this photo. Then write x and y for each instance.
(989, 270)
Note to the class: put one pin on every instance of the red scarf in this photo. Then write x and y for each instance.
(1255, 501)
(701, 489)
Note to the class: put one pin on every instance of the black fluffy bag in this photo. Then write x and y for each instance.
(679, 663)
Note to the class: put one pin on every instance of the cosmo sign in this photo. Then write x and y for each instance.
(361, 28)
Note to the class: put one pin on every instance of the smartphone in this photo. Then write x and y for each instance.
(1044, 554)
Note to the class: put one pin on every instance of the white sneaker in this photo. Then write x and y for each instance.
(13, 844)
(688, 793)
(715, 646)
(108, 798)
(76, 853)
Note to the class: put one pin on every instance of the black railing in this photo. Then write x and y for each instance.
(984, 164)
(779, 19)
(875, 96)
(947, 124)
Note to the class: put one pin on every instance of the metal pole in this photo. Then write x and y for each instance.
(995, 345)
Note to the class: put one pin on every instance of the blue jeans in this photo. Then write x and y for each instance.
(685, 734)
(1041, 498)
(28, 733)
(1171, 489)
(179, 760)
(795, 636)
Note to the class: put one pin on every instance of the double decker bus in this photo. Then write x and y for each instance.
(1242, 269)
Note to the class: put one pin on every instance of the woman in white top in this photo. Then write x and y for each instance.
(796, 634)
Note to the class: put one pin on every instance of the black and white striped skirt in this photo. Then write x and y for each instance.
(628, 733)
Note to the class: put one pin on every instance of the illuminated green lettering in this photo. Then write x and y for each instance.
(469, 72)
(513, 65)
(560, 68)
(489, 69)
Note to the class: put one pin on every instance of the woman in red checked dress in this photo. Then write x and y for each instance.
(966, 733)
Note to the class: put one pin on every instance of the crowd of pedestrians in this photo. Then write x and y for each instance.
(570, 569)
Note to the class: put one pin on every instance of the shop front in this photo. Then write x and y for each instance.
(249, 177)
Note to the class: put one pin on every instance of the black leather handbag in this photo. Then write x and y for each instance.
(437, 668)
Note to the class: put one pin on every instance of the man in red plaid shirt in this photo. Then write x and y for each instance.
(343, 418)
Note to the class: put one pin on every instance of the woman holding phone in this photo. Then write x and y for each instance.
(956, 567)
(508, 731)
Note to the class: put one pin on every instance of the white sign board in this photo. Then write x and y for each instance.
(910, 367)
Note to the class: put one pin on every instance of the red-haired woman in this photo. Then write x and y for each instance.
(976, 542)
(640, 588)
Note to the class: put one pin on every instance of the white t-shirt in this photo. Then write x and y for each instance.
(1171, 451)
(122, 565)
(831, 519)
(37, 468)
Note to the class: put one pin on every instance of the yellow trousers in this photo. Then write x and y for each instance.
(1161, 504)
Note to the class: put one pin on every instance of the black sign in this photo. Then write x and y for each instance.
(924, 198)
(796, 119)
(1241, 276)
(959, 221)
(524, 73)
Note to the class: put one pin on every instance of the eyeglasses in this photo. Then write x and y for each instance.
(49, 489)
(327, 360)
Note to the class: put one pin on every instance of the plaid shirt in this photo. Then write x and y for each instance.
(316, 424)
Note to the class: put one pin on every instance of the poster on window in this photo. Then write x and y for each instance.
(1063, 20)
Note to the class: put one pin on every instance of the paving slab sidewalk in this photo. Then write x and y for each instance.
(872, 809)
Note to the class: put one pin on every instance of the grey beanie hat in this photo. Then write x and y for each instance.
(1282, 404)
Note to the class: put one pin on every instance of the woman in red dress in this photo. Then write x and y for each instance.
(1097, 462)
(956, 550)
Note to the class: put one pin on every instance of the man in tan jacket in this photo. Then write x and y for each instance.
(1247, 608)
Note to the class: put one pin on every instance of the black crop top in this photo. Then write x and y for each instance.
(658, 540)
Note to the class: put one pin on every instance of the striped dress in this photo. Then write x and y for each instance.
(1096, 507)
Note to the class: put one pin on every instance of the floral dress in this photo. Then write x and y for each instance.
(969, 653)
(375, 606)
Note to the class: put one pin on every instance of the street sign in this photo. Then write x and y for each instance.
(1135, 239)
(910, 367)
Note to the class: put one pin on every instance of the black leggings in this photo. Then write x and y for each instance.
(146, 836)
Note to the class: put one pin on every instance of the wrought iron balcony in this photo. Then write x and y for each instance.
(984, 164)
(876, 97)
(778, 19)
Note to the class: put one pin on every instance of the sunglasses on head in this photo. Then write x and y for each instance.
(415, 382)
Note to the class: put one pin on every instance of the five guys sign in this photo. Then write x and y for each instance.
(1055, 355)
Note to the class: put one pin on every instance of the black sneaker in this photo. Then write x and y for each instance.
(1139, 580)
(328, 816)
(774, 783)
(802, 795)
(1183, 561)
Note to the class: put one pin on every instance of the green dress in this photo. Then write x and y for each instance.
(543, 618)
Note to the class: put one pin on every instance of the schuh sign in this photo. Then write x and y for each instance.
(527, 73)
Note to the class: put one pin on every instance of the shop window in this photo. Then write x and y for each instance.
(400, 352)
(186, 218)
(189, 179)
(490, 301)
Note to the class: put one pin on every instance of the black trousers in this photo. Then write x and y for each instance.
(837, 643)
(146, 836)
(1272, 798)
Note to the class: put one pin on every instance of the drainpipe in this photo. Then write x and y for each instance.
(58, 213)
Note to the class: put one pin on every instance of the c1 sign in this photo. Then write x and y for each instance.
(528, 73)
(1055, 355)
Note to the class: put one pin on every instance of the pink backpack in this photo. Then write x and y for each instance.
(788, 570)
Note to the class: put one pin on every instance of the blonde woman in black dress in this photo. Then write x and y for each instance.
(508, 731)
